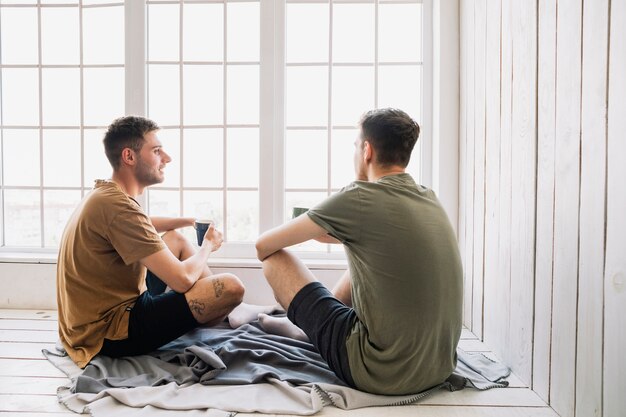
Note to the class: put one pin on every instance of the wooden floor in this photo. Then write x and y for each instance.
(28, 382)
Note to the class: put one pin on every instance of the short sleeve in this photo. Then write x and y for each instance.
(340, 214)
(133, 236)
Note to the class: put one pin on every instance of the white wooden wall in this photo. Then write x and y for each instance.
(543, 194)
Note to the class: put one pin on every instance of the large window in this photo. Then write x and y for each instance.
(61, 82)
(257, 100)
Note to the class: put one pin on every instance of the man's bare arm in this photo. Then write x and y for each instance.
(296, 231)
(163, 224)
(182, 275)
(328, 239)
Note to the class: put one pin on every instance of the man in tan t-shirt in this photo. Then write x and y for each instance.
(108, 245)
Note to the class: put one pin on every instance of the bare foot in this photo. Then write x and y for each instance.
(282, 326)
(245, 313)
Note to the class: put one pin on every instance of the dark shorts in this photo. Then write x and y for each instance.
(327, 322)
(154, 321)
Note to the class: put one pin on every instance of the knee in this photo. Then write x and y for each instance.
(233, 288)
(270, 264)
(173, 238)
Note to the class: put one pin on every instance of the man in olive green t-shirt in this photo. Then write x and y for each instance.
(392, 324)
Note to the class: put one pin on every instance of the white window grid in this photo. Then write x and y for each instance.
(225, 126)
(81, 127)
(330, 127)
(272, 127)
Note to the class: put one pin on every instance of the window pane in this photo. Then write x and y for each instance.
(163, 32)
(22, 219)
(203, 155)
(99, 49)
(242, 100)
(243, 216)
(58, 207)
(96, 164)
(59, 35)
(18, 35)
(60, 1)
(21, 157)
(306, 164)
(61, 158)
(243, 158)
(103, 95)
(164, 203)
(20, 96)
(353, 94)
(400, 32)
(400, 87)
(353, 32)
(205, 205)
(203, 94)
(243, 32)
(163, 94)
(203, 32)
(342, 157)
(307, 33)
(306, 200)
(306, 96)
(170, 139)
(61, 96)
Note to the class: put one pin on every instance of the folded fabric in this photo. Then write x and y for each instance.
(219, 371)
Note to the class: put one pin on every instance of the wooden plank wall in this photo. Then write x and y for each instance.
(543, 200)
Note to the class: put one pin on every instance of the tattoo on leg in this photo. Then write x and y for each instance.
(196, 307)
(218, 286)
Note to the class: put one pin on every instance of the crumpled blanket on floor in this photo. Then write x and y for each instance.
(217, 372)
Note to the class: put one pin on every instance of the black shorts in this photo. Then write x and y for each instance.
(154, 321)
(328, 322)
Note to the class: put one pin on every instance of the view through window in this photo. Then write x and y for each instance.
(62, 82)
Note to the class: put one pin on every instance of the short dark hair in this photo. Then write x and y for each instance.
(126, 132)
(392, 133)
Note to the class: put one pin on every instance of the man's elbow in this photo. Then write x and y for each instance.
(261, 249)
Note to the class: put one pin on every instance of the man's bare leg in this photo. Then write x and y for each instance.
(287, 275)
(212, 298)
(244, 313)
(343, 289)
(182, 248)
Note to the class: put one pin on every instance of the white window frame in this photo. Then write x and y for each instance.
(436, 155)
(81, 127)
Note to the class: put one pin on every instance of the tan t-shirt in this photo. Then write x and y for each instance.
(98, 273)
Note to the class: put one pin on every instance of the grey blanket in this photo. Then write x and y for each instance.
(218, 372)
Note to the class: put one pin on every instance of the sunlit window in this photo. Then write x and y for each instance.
(62, 81)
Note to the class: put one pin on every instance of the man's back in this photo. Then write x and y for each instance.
(98, 274)
(406, 282)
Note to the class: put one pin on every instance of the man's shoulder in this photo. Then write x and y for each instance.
(110, 196)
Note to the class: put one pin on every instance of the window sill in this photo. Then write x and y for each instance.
(248, 263)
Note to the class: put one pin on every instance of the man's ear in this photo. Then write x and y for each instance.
(128, 156)
(368, 151)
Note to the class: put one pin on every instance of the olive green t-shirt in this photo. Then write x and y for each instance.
(98, 272)
(407, 283)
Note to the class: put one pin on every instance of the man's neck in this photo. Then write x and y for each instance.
(128, 184)
(375, 173)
